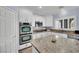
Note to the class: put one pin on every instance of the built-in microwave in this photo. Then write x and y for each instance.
(25, 39)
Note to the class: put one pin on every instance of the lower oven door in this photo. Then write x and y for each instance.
(25, 39)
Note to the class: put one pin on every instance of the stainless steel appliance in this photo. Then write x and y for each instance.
(25, 28)
(25, 39)
(25, 33)
(38, 24)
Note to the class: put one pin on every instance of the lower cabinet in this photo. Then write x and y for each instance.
(60, 34)
(45, 34)
(74, 36)
(42, 34)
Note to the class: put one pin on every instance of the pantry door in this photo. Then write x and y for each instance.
(9, 30)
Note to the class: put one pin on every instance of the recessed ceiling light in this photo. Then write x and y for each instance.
(62, 10)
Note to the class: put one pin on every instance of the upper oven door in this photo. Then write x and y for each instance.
(25, 29)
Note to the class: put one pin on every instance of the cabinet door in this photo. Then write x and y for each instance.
(9, 40)
(71, 23)
(65, 23)
(49, 21)
(57, 24)
(12, 34)
(2, 30)
(34, 36)
(61, 23)
(2, 35)
(2, 12)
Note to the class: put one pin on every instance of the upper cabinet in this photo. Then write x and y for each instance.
(25, 15)
(49, 21)
(38, 21)
(66, 23)
(46, 21)
(2, 12)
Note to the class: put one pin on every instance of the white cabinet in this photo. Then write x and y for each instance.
(37, 35)
(2, 12)
(33, 36)
(49, 21)
(2, 35)
(39, 19)
(66, 23)
(2, 30)
(25, 15)
(9, 30)
(41, 35)
(60, 35)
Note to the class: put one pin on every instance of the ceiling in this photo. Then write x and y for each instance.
(47, 10)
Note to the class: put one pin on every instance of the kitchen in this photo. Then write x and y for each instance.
(39, 29)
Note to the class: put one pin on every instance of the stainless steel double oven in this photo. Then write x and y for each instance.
(25, 33)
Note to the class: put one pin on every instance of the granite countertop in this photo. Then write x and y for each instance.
(66, 31)
(63, 29)
(53, 44)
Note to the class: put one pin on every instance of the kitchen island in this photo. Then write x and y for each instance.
(56, 44)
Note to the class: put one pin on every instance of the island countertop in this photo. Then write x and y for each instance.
(53, 44)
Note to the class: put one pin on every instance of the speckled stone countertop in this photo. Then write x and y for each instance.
(53, 44)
